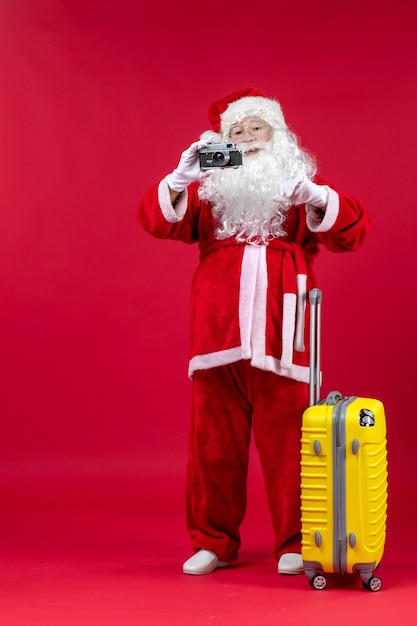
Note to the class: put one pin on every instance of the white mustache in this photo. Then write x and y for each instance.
(254, 145)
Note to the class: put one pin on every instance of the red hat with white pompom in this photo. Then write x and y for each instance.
(247, 102)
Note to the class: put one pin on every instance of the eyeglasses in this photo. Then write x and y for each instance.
(254, 128)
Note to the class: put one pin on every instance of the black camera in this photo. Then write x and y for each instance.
(220, 155)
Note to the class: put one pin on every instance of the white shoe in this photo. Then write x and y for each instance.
(203, 562)
(291, 563)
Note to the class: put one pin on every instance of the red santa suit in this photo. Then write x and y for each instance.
(248, 325)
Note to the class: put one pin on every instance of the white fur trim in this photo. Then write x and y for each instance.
(259, 313)
(214, 359)
(288, 329)
(301, 309)
(330, 215)
(248, 280)
(211, 137)
(170, 213)
(299, 373)
(252, 106)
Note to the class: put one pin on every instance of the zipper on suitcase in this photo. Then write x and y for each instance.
(339, 486)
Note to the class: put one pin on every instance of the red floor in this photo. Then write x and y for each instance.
(86, 559)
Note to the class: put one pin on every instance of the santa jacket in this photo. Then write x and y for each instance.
(249, 301)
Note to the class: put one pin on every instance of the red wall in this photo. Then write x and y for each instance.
(97, 101)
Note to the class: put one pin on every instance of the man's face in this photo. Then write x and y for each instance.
(248, 131)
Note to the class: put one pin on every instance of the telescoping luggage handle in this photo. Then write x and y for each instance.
(315, 297)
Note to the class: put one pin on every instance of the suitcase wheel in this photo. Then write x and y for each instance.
(373, 584)
(318, 582)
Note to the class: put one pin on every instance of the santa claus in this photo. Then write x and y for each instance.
(259, 228)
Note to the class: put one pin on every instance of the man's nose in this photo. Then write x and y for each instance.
(247, 135)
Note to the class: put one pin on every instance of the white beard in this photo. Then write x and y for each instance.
(242, 198)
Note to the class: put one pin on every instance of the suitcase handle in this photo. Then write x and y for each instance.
(315, 297)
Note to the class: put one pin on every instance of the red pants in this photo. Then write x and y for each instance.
(227, 402)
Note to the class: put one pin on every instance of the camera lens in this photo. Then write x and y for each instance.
(220, 158)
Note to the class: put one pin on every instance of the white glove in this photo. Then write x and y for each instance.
(301, 190)
(188, 169)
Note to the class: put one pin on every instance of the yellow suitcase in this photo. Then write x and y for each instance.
(343, 478)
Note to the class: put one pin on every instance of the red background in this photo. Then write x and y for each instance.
(97, 101)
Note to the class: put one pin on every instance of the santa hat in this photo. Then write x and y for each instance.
(247, 102)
